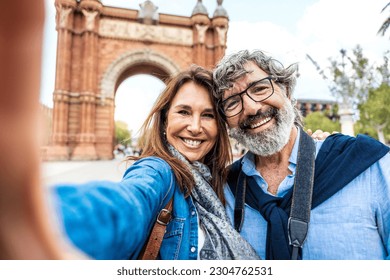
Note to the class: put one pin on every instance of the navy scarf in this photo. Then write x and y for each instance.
(340, 159)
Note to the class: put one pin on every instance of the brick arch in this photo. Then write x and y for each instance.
(135, 62)
(98, 47)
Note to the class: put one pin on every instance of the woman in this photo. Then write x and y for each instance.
(185, 153)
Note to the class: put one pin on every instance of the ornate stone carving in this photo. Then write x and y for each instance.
(222, 30)
(201, 28)
(148, 13)
(90, 19)
(113, 28)
(62, 16)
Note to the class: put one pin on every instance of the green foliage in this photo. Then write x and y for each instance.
(384, 69)
(320, 120)
(122, 133)
(375, 112)
(360, 128)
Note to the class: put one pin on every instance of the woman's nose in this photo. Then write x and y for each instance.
(195, 125)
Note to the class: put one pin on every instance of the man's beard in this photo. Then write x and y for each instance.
(270, 140)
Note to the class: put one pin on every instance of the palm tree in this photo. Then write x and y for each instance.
(385, 24)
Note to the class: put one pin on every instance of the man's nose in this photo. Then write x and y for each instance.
(250, 107)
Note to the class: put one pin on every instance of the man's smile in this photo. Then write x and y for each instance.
(260, 123)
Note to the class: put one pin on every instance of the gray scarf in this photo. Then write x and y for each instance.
(222, 241)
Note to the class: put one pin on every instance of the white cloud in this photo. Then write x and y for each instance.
(266, 36)
(330, 25)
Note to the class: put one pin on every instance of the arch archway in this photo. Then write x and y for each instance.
(100, 46)
(126, 65)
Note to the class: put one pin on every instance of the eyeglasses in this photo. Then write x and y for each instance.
(258, 91)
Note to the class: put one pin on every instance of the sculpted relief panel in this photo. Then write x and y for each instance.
(112, 28)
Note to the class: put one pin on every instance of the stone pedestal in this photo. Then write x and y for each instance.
(346, 119)
(55, 152)
(85, 151)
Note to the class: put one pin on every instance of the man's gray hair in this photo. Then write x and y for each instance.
(231, 68)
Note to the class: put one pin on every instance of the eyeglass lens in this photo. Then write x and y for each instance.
(258, 91)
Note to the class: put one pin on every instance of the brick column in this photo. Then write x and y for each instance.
(201, 24)
(220, 25)
(85, 147)
(64, 23)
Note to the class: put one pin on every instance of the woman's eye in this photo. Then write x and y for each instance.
(183, 112)
(211, 116)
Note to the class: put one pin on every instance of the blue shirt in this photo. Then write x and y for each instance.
(352, 224)
(111, 220)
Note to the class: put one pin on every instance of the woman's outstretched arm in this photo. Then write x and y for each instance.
(25, 229)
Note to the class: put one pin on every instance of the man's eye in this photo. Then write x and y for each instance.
(260, 89)
(231, 104)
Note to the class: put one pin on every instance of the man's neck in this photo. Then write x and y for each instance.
(274, 168)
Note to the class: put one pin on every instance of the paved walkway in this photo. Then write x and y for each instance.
(82, 171)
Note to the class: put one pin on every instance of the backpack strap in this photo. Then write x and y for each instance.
(153, 244)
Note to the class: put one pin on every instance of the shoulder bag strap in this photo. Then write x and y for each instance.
(153, 244)
(298, 222)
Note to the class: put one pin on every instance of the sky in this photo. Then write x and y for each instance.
(285, 29)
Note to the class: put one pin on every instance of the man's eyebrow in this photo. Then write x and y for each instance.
(232, 88)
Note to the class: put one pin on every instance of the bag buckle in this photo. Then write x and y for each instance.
(164, 217)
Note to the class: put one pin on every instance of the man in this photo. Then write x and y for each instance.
(350, 201)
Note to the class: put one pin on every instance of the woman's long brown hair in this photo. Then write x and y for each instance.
(154, 143)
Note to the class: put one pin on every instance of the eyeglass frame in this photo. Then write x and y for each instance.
(220, 105)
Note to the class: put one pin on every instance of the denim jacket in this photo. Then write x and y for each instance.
(112, 220)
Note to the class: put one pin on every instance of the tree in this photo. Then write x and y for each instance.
(385, 25)
(349, 80)
(352, 78)
(122, 133)
(320, 120)
(375, 112)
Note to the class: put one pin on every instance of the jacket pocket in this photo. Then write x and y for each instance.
(172, 240)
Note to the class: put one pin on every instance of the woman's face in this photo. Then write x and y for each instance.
(191, 125)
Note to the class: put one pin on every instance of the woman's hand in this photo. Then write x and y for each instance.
(319, 134)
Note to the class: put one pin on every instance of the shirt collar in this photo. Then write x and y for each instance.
(294, 152)
(248, 161)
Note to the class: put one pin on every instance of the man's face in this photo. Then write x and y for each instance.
(262, 127)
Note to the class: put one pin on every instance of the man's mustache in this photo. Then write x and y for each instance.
(271, 112)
